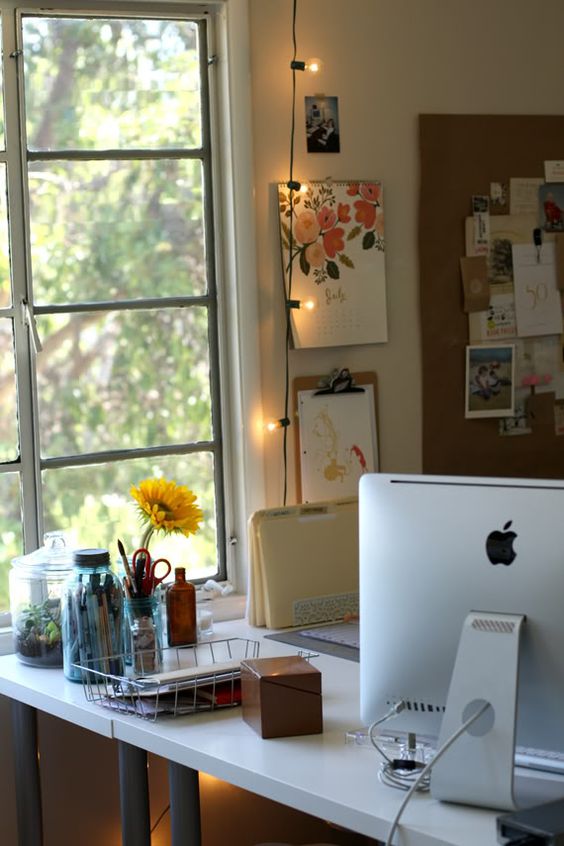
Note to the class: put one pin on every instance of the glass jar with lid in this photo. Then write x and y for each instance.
(36, 586)
(92, 616)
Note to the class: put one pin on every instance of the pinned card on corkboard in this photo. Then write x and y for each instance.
(559, 259)
(474, 270)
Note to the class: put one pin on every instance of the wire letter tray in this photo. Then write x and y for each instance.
(195, 678)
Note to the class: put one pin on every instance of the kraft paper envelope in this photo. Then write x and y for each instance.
(303, 563)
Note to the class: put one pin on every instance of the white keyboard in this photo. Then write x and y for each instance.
(345, 634)
(540, 759)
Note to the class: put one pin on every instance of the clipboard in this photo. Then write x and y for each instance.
(303, 564)
(337, 437)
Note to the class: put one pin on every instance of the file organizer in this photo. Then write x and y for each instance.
(303, 564)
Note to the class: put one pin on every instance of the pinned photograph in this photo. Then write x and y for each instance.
(551, 199)
(490, 381)
(322, 124)
(520, 423)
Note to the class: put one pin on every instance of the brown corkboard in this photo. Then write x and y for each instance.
(460, 156)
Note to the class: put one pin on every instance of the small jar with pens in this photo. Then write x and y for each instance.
(92, 616)
(143, 628)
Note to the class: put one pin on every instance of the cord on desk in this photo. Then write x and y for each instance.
(396, 709)
(396, 772)
(426, 771)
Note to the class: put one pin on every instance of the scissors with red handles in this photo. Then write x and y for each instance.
(144, 571)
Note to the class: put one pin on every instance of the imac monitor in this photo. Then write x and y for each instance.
(433, 549)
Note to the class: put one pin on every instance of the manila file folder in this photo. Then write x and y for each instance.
(303, 563)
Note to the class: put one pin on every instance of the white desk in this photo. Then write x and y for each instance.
(318, 774)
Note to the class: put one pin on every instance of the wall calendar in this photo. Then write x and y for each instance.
(333, 248)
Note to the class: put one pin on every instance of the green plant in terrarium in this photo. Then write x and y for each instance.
(38, 631)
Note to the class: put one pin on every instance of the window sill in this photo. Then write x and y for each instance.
(6, 641)
(230, 607)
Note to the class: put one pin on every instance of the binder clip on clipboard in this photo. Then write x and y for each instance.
(339, 382)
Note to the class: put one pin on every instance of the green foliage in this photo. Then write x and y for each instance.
(333, 270)
(369, 240)
(344, 259)
(304, 263)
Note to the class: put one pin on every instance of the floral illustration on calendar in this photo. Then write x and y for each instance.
(333, 253)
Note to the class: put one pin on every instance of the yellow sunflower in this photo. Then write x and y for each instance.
(166, 507)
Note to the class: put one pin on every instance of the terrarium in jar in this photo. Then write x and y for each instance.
(36, 586)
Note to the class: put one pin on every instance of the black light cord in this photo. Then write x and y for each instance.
(291, 185)
(160, 818)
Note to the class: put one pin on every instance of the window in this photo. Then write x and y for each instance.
(107, 256)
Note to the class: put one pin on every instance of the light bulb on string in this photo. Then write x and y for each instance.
(272, 424)
(314, 65)
(309, 303)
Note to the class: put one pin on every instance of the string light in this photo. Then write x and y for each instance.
(273, 425)
(314, 65)
(309, 304)
(294, 186)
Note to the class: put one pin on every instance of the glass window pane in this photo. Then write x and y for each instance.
(104, 230)
(93, 505)
(9, 447)
(123, 380)
(5, 287)
(110, 83)
(11, 537)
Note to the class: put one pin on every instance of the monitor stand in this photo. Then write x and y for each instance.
(478, 769)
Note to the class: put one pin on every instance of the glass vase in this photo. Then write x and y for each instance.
(143, 634)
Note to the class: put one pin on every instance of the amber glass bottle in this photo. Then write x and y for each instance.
(181, 610)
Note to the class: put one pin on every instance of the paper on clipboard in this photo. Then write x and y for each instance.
(338, 442)
(303, 563)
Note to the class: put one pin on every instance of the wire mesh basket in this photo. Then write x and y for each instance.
(195, 678)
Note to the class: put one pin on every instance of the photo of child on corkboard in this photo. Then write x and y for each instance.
(490, 378)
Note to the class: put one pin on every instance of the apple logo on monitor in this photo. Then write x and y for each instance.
(499, 546)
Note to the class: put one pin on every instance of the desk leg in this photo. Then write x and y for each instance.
(28, 785)
(134, 796)
(184, 789)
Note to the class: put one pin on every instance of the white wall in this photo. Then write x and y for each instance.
(388, 61)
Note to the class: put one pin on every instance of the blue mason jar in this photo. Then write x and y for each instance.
(92, 616)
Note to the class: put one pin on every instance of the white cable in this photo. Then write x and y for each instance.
(396, 709)
(426, 770)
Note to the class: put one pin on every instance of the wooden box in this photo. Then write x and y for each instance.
(281, 697)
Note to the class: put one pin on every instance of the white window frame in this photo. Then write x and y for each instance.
(232, 162)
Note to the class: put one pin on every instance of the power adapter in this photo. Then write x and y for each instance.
(542, 825)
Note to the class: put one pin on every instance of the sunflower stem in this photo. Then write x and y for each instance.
(147, 537)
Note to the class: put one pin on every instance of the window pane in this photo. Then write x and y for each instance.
(2, 137)
(116, 230)
(93, 505)
(11, 539)
(111, 83)
(5, 287)
(121, 380)
(9, 447)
